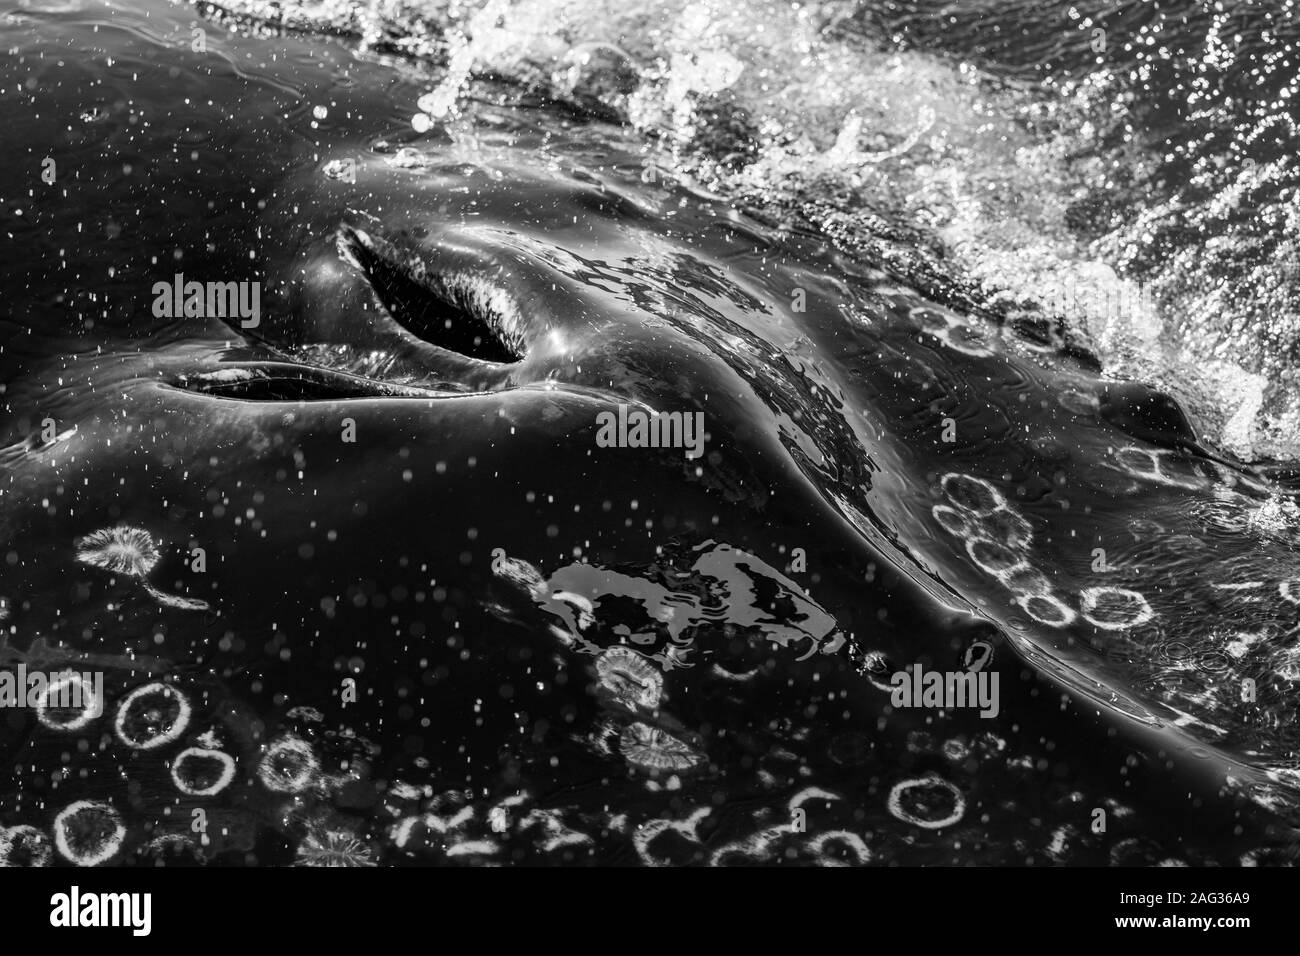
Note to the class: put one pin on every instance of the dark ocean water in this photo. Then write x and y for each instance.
(364, 587)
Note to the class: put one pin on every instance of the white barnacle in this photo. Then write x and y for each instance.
(152, 715)
(844, 839)
(290, 765)
(630, 678)
(121, 549)
(654, 750)
(24, 846)
(60, 694)
(930, 802)
(202, 771)
(333, 848)
(131, 552)
(88, 833)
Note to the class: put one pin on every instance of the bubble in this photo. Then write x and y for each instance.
(993, 558)
(952, 520)
(649, 748)
(972, 494)
(930, 802)
(88, 833)
(630, 678)
(290, 765)
(24, 846)
(320, 112)
(1046, 609)
(122, 550)
(202, 772)
(1114, 608)
(422, 122)
(151, 716)
(54, 701)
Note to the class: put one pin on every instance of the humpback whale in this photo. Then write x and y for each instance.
(366, 590)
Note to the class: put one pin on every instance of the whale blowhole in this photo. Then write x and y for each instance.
(459, 310)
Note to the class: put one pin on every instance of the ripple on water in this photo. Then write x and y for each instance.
(1047, 609)
(1114, 609)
